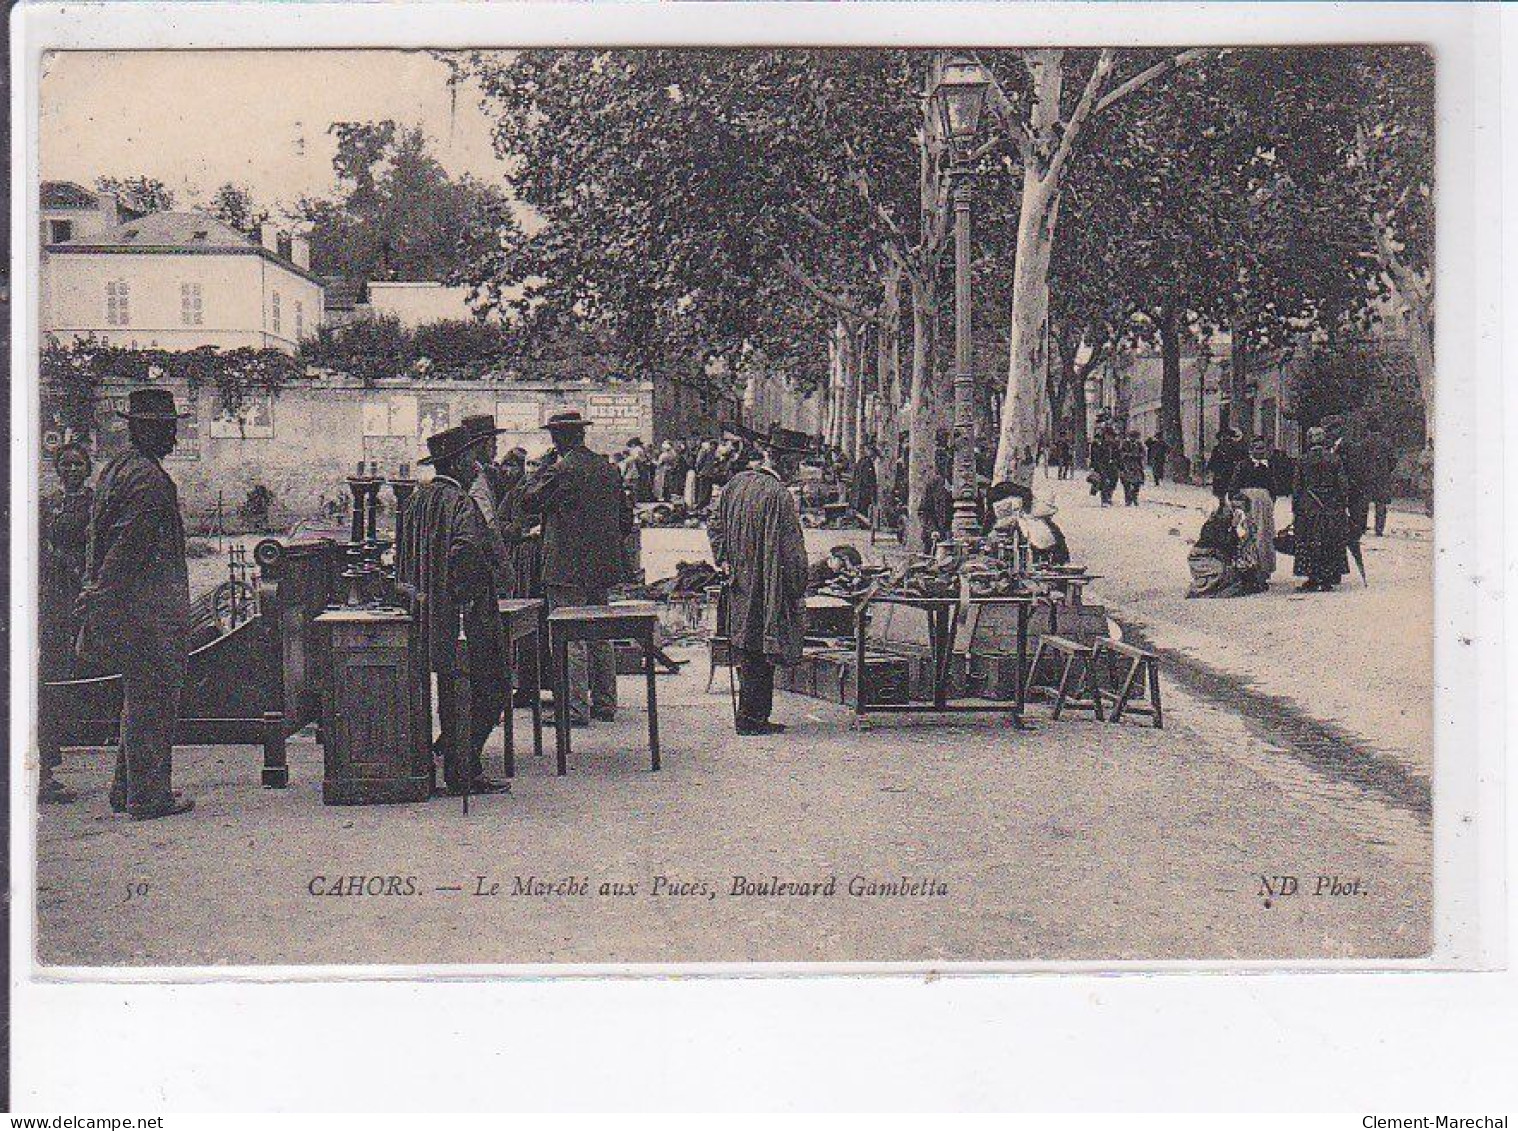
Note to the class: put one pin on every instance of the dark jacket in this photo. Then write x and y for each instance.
(1247, 473)
(136, 565)
(756, 532)
(1370, 466)
(586, 516)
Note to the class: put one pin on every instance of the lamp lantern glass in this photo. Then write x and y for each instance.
(961, 96)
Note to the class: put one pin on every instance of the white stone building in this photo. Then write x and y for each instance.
(178, 281)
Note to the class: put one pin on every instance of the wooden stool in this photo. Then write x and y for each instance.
(1143, 667)
(1075, 654)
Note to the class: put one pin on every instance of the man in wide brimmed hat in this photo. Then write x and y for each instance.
(755, 532)
(586, 519)
(447, 556)
(487, 492)
(135, 603)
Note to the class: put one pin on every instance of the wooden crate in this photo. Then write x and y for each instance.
(887, 678)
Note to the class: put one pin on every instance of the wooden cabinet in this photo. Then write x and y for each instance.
(376, 709)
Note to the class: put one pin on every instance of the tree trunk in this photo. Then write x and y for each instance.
(1240, 410)
(923, 423)
(1170, 395)
(888, 380)
(1418, 301)
(849, 392)
(1080, 421)
(1030, 308)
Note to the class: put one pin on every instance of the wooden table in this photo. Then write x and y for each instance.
(522, 621)
(943, 625)
(630, 620)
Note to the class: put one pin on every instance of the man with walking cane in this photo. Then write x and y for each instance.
(755, 533)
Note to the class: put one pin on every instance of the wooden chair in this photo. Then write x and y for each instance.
(1080, 664)
(1143, 671)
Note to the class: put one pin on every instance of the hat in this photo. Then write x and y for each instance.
(570, 419)
(151, 404)
(449, 443)
(481, 425)
(778, 441)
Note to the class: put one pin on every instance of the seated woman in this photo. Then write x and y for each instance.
(1212, 559)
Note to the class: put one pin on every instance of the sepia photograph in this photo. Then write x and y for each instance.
(653, 505)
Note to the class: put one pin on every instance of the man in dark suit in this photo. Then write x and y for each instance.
(135, 604)
(586, 519)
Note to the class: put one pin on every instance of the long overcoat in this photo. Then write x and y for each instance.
(586, 518)
(1319, 516)
(447, 557)
(139, 619)
(756, 532)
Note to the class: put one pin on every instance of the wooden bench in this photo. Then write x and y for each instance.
(1143, 671)
(1077, 656)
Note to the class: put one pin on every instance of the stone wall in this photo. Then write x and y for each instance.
(304, 441)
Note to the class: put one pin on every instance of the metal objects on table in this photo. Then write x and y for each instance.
(635, 621)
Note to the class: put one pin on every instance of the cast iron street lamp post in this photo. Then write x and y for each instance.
(961, 96)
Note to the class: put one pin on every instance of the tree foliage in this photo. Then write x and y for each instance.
(140, 193)
(396, 213)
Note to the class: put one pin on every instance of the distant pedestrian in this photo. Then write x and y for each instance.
(864, 484)
(1371, 475)
(1105, 458)
(1131, 468)
(1156, 449)
(935, 510)
(1320, 516)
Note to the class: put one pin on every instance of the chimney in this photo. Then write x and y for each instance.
(109, 207)
(269, 237)
(300, 251)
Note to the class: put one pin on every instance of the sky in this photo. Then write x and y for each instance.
(197, 119)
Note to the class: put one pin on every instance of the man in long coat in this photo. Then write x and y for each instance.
(864, 484)
(1320, 516)
(756, 533)
(135, 604)
(587, 517)
(1370, 474)
(447, 556)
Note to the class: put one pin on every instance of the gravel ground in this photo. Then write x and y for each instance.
(1360, 657)
(1074, 840)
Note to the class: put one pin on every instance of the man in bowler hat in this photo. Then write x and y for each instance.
(135, 604)
(586, 519)
(447, 557)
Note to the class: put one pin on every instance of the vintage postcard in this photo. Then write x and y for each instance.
(822, 504)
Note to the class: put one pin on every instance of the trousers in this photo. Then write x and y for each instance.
(592, 667)
(756, 686)
(149, 716)
(487, 702)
